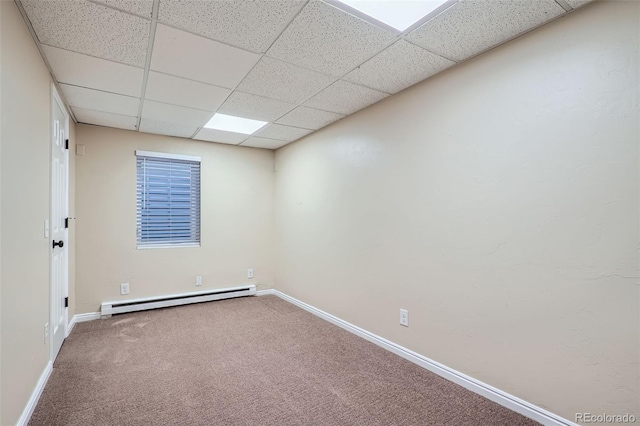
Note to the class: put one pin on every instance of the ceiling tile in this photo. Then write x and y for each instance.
(279, 80)
(472, 26)
(139, 7)
(328, 40)
(105, 119)
(213, 135)
(187, 93)
(228, 21)
(256, 142)
(168, 129)
(86, 71)
(157, 111)
(345, 98)
(397, 67)
(577, 3)
(100, 101)
(309, 118)
(255, 107)
(204, 60)
(284, 133)
(90, 28)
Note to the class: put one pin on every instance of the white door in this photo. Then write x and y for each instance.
(59, 213)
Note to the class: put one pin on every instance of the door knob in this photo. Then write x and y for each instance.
(58, 243)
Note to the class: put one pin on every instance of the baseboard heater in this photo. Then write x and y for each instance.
(133, 305)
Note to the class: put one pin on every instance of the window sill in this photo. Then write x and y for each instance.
(168, 246)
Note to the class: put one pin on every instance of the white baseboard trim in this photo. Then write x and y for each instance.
(82, 318)
(35, 396)
(496, 395)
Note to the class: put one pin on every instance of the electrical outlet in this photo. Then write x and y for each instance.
(124, 288)
(249, 273)
(46, 333)
(404, 317)
(198, 281)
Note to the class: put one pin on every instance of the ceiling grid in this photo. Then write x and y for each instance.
(167, 66)
(147, 65)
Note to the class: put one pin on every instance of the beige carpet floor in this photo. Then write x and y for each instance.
(249, 361)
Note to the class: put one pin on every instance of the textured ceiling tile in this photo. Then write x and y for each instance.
(104, 119)
(578, 3)
(255, 107)
(174, 114)
(229, 21)
(472, 26)
(279, 80)
(283, 133)
(86, 71)
(187, 93)
(397, 67)
(165, 128)
(220, 136)
(328, 40)
(100, 101)
(91, 29)
(139, 7)
(255, 142)
(309, 118)
(197, 58)
(345, 98)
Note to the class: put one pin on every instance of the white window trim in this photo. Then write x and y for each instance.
(168, 156)
(167, 246)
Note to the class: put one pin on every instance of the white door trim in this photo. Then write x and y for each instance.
(57, 101)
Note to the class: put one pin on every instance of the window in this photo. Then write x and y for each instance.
(168, 200)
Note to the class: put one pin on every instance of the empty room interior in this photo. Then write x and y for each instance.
(319, 212)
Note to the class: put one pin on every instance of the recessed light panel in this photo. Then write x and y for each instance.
(229, 123)
(399, 14)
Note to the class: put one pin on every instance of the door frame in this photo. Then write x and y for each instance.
(57, 101)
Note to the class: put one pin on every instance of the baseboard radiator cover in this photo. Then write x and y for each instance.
(143, 304)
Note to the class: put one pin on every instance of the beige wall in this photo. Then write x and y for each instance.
(498, 203)
(72, 214)
(236, 219)
(25, 187)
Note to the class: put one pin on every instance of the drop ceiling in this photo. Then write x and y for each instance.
(168, 66)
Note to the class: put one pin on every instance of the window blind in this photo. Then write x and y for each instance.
(168, 200)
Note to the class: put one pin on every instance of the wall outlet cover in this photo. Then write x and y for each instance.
(404, 317)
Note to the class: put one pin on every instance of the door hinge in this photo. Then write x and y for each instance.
(66, 222)
(66, 302)
(66, 144)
